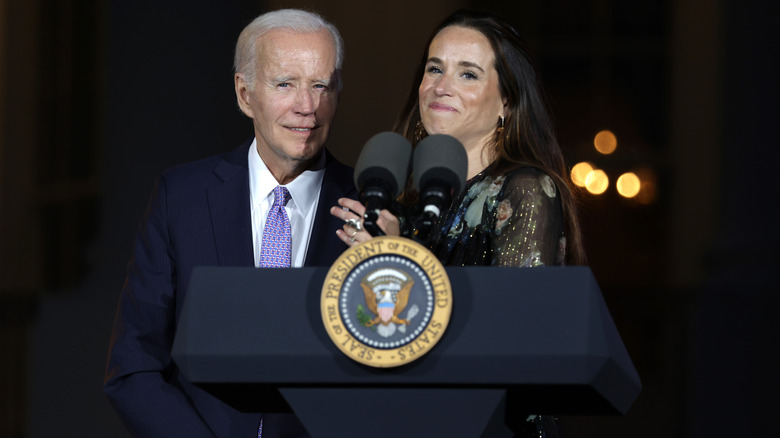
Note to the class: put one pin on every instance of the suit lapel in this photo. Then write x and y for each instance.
(325, 246)
(231, 215)
(230, 210)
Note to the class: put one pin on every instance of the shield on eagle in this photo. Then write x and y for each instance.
(386, 292)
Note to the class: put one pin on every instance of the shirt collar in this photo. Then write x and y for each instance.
(304, 189)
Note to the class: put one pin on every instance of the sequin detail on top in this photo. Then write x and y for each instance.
(513, 219)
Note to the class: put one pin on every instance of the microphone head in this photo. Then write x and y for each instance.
(384, 160)
(440, 158)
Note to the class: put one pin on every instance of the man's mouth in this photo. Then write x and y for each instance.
(299, 129)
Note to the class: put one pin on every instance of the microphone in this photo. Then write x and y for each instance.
(439, 172)
(380, 174)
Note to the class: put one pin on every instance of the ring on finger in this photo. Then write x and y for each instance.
(354, 223)
(354, 232)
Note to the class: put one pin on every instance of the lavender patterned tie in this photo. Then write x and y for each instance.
(276, 250)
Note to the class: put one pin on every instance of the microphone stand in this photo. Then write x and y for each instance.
(423, 226)
(435, 196)
(369, 223)
(374, 198)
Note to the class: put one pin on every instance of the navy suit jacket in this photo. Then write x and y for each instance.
(198, 215)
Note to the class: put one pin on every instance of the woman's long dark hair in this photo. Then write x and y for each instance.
(528, 137)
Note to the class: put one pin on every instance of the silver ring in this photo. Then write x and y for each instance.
(354, 232)
(352, 239)
(354, 223)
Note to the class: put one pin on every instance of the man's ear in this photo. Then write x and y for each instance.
(242, 94)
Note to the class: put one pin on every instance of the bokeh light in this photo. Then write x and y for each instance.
(579, 172)
(605, 142)
(628, 185)
(597, 182)
(649, 186)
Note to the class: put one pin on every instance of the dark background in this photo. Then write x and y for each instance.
(99, 96)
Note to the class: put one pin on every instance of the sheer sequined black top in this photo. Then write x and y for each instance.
(514, 219)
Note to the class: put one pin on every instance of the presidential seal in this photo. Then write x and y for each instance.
(386, 302)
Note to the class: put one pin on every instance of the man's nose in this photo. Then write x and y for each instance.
(306, 102)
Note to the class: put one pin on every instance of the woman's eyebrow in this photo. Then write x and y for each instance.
(469, 64)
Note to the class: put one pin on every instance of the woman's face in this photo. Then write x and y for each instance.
(459, 93)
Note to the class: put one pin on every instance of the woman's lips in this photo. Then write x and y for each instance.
(440, 107)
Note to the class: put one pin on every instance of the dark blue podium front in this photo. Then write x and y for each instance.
(520, 341)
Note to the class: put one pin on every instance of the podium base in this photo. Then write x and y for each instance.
(342, 413)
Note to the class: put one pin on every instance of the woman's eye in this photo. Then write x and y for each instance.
(433, 69)
(469, 75)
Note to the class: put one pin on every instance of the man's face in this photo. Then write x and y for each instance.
(294, 97)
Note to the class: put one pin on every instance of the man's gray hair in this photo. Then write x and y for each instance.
(297, 20)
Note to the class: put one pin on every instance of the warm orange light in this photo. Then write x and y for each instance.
(628, 185)
(648, 193)
(605, 142)
(597, 182)
(579, 172)
(649, 186)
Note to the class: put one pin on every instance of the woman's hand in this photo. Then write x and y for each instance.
(351, 212)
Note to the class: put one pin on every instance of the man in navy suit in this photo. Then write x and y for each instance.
(212, 212)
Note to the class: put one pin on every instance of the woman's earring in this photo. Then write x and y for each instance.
(419, 132)
(500, 124)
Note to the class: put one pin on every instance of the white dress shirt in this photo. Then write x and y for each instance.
(305, 194)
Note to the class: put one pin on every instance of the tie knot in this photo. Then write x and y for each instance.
(281, 196)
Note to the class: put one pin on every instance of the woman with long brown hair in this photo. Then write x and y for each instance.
(477, 82)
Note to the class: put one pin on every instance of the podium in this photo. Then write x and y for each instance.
(520, 341)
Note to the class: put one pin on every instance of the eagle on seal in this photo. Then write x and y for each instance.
(387, 302)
